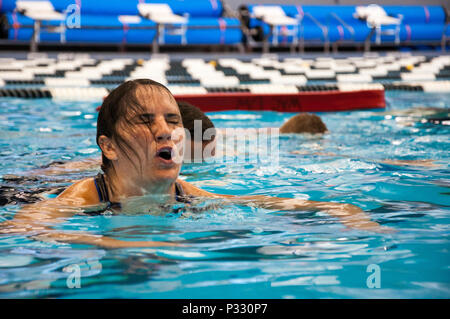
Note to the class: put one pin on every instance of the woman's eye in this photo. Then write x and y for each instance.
(173, 120)
(145, 119)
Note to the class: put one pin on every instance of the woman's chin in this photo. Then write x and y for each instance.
(165, 174)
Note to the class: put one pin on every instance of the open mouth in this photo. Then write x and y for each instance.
(165, 153)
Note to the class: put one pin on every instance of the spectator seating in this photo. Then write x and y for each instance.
(376, 19)
(334, 25)
(122, 22)
(41, 11)
(207, 22)
(277, 20)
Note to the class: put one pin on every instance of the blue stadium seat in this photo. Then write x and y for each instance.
(95, 29)
(419, 24)
(101, 23)
(207, 25)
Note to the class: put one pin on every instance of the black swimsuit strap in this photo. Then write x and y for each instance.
(180, 195)
(102, 190)
(100, 185)
(178, 191)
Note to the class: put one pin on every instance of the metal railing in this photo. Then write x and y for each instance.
(350, 29)
(155, 41)
(38, 25)
(379, 32)
(445, 38)
(324, 29)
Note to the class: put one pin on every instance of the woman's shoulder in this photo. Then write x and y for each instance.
(84, 191)
(190, 189)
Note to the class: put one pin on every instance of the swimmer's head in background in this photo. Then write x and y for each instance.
(304, 123)
(118, 107)
(201, 130)
(190, 114)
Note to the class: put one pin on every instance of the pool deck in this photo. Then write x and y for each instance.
(220, 81)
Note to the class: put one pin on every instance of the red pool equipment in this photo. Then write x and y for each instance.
(312, 101)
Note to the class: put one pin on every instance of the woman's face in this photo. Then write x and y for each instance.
(155, 135)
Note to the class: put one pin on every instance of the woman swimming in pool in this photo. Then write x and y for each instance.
(140, 133)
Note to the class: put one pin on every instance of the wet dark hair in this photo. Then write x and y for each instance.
(190, 113)
(121, 102)
(304, 123)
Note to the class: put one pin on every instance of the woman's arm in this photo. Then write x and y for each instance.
(97, 240)
(350, 215)
(37, 221)
(43, 232)
(416, 163)
(68, 167)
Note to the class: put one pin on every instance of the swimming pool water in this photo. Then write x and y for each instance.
(245, 252)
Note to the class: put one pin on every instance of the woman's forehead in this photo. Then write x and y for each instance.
(154, 99)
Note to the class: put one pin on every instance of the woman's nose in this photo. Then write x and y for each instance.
(163, 132)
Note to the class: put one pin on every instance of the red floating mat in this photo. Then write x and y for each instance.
(324, 101)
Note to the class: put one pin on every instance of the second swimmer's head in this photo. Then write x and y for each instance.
(200, 131)
(304, 123)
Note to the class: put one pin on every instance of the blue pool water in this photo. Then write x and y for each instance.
(244, 252)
